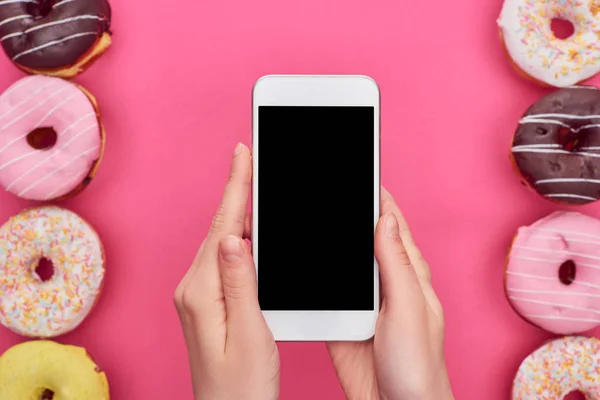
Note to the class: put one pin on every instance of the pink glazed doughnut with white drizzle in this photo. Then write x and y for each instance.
(552, 276)
(51, 138)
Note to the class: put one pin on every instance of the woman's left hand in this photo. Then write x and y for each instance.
(231, 350)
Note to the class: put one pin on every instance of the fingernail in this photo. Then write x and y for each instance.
(238, 149)
(231, 249)
(391, 225)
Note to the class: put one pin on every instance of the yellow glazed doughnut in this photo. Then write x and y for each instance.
(43, 369)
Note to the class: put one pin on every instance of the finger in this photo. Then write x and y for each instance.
(201, 293)
(238, 276)
(398, 278)
(188, 276)
(231, 215)
(388, 204)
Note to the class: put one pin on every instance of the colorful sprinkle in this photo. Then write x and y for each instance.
(560, 367)
(36, 308)
(528, 37)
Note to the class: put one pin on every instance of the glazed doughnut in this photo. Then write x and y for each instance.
(556, 148)
(558, 368)
(552, 276)
(54, 37)
(42, 309)
(45, 370)
(34, 110)
(527, 37)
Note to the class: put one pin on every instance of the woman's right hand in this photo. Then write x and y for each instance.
(405, 359)
(231, 350)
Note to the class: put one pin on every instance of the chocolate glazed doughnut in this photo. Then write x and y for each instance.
(556, 148)
(54, 37)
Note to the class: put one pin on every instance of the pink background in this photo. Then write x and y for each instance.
(175, 95)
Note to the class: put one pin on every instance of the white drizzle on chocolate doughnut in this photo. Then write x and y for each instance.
(5, 2)
(60, 3)
(48, 24)
(18, 17)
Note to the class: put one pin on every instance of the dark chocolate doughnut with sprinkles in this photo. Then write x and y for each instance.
(556, 148)
(54, 37)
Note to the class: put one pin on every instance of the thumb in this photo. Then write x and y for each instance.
(238, 276)
(399, 280)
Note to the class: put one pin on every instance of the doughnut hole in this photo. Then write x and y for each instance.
(562, 28)
(42, 138)
(566, 272)
(39, 8)
(576, 395)
(44, 269)
(567, 139)
(47, 394)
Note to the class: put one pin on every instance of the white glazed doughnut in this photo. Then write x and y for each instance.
(534, 49)
(558, 368)
(44, 309)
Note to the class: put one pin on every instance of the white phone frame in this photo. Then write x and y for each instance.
(318, 90)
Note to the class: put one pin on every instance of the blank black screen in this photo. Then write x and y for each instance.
(316, 208)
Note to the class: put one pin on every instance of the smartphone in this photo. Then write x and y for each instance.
(315, 203)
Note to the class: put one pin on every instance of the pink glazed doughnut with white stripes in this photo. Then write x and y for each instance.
(553, 273)
(51, 138)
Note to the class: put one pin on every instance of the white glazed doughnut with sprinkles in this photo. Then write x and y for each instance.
(558, 368)
(45, 309)
(525, 29)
